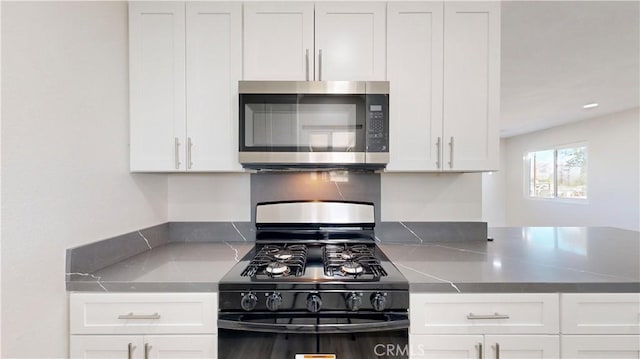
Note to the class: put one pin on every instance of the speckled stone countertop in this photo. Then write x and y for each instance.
(528, 259)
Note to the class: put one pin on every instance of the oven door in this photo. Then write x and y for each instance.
(282, 336)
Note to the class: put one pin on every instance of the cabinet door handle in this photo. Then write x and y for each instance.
(139, 316)
(130, 348)
(306, 60)
(472, 316)
(439, 147)
(176, 150)
(497, 351)
(320, 65)
(451, 153)
(147, 347)
(479, 346)
(189, 146)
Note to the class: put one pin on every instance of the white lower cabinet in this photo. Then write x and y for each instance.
(484, 346)
(601, 325)
(143, 347)
(521, 325)
(143, 325)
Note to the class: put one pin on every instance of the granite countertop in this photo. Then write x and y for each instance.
(528, 259)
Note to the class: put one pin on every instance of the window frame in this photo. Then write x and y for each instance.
(527, 174)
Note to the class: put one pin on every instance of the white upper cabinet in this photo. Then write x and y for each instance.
(304, 41)
(414, 70)
(185, 63)
(471, 85)
(278, 41)
(350, 41)
(214, 58)
(157, 80)
(444, 72)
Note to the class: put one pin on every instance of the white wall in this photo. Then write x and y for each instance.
(65, 178)
(613, 162)
(494, 194)
(210, 197)
(431, 197)
(405, 197)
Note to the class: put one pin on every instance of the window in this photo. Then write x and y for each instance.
(558, 173)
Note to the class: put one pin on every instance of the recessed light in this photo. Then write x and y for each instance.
(590, 105)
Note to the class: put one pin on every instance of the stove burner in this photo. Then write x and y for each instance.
(282, 254)
(277, 268)
(346, 254)
(351, 268)
(277, 261)
(352, 260)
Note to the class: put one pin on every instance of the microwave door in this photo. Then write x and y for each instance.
(302, 128)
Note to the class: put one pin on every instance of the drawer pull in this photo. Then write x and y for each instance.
(479, 346)
(139, 316)
(472, 316)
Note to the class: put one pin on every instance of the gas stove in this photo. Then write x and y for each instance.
(315, 283)
(304, 248)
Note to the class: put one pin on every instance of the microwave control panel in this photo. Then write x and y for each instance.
(377, 123)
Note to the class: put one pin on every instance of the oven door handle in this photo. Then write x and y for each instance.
(394, 324)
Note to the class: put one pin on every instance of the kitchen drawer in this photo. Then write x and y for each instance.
(484, 313)
(143, 313)
(601, 313)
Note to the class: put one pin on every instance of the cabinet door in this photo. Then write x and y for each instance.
(471, 85)
(445, 346)
(106, 346)
(350, 41)
(414, 69)
(522, 346)
(181, 346)
(601, 346)
(157, 85)
(601, 313)
(278, 41)
(213, 55)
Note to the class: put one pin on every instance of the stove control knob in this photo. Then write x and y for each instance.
(314, 303)
(274, 301)
(379, 301)
(354, 301)
(249, 301)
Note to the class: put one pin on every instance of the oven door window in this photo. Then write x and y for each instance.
(302, 123)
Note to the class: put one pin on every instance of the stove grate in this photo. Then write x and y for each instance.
(294, 257)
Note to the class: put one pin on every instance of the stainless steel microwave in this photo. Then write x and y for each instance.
(314, 124)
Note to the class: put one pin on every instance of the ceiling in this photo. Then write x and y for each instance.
(558, 56)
